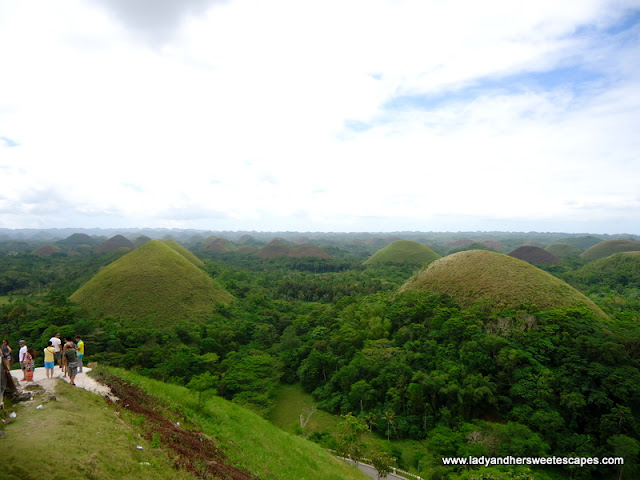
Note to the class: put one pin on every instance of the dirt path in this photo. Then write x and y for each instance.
(49, 384)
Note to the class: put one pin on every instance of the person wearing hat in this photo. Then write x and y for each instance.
(23, 359)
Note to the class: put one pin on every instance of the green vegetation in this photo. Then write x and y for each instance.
(477, 354)
(153, 285)
(184, 252)
(563, 250)
(497, 280)
(403, 252)
(609, 247)
(249, 441)
(100, 443)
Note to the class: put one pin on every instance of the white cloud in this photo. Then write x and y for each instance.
(236, 114)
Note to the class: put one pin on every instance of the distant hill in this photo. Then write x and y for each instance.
(535, 255)
(114, 243)
(278, 248)
(141, 240)
(220, 245)
(609, 247)
(403, 252)
(47, 250)
(500, 280)
(154, 285)
(563, 250)
(581, 242)
(77, 240)
(184, 252)
(617, 271)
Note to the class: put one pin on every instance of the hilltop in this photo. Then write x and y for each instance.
(617, 271)
(563, 250)
(609, 247)
(115, 243)
(499, 280)
(403, 252)
(153, 284)
(278, 248)
(535, 255)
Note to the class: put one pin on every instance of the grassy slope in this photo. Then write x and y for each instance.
(563, 250)
(609, 247)
(250, 441)
(403, 251)
(184, 252)
(620, 269)
(81, 429)
(152, 283)
(503, 281)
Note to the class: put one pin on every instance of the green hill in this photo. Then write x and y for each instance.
(609, 247)
(220, 245)
(500, 280)
(581, 242)
(563, 250)
(153, 284)
(115, 243)
(158, 431)
(279, 248)
(47, 250)
(618, 271)
(403, 252)
(184, 252)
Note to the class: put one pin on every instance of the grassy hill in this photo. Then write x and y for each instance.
(403, 252)
(157, 431)
(535, 255)
(220, 245)
(47, 250)
(153, 284)
(500, 280)
(184, 252)
(609, 247)
(618, 271)
(114, 243)
(563, 250)
(246, 439)
(278, 248)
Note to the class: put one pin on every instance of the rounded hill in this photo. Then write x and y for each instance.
(500, 280)
(279, 248)
(609, 247)
(403, 252)
(114, 243)
(563, 250)
(535, 255)
(617, 271)
(154, 285)
(184, 252)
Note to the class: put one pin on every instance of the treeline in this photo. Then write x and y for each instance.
(409, 366)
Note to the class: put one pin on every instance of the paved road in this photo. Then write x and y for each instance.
(372, 472)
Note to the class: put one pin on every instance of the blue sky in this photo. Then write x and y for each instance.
(372, 115)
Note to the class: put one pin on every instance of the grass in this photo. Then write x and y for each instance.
(499, 280)
(83, 432)
(153, 284)
(249, 441)
(609, 247)
(404, 252)
(184, 252)
(563, 250)
(292, 401)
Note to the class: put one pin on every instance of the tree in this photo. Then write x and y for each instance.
(382, 462)
(350, 444)
(202, 383)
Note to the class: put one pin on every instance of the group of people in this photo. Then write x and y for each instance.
(67, 355)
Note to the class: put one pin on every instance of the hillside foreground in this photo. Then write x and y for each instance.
(138, 435)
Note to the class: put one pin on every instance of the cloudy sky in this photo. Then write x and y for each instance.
(356, 115)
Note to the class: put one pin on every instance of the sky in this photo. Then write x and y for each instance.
(293, 115)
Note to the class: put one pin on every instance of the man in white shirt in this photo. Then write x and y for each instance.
(57, 345)
(23, 359)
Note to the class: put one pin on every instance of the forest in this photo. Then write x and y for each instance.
(460, 377)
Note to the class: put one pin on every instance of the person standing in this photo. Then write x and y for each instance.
(80, 347)
(31, 364)
(23, 359)
(6, 355)
(71, 359)
(57, 345)
(49, 358)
